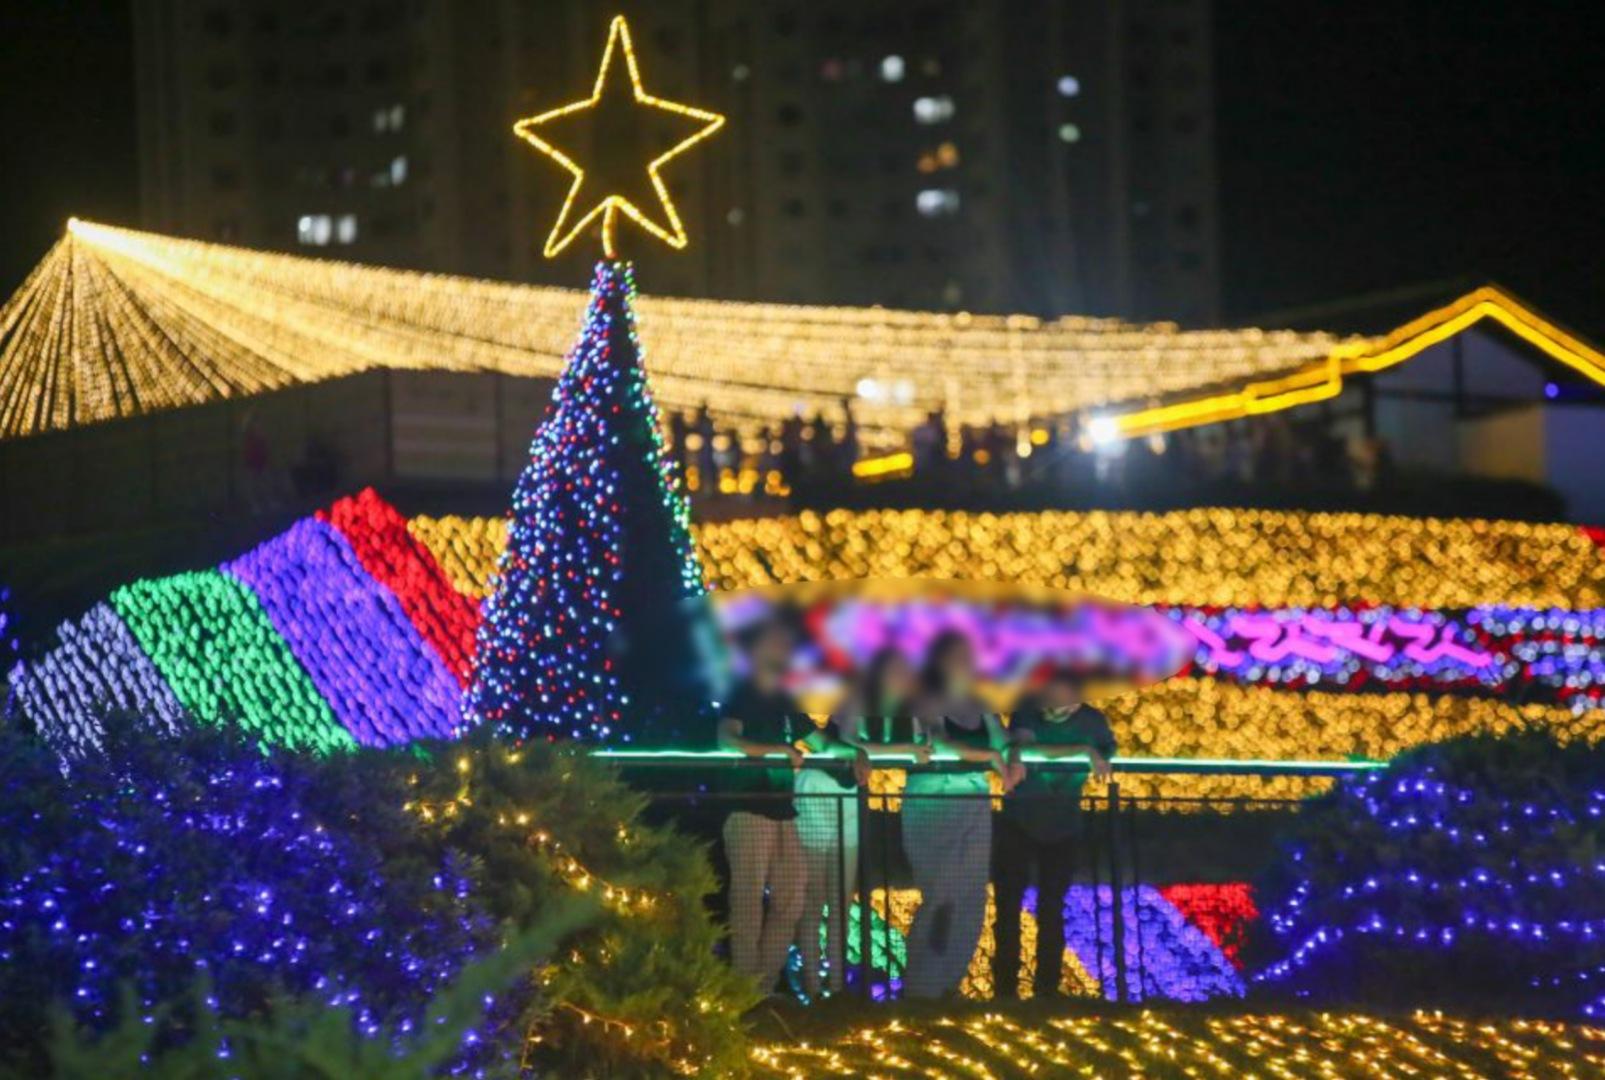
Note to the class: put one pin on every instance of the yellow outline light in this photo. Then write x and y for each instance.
(1325, 379)
(890, 464)
(612, 203)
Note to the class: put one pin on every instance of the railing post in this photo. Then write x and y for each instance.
(838, 903)
(1132, 807)
(1117, 933)
(866, 967)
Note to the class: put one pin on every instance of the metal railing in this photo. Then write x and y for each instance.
(1133, 870)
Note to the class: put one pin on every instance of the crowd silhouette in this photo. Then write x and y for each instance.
(812, 459)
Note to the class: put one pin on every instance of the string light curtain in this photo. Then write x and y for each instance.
(116, 323)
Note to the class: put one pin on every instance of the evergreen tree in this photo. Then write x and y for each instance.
(598, 624)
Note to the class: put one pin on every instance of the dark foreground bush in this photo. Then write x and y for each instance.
(1469, 874)
(362, 882)
(162, 861)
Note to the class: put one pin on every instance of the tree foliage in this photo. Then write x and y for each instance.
(642, 993)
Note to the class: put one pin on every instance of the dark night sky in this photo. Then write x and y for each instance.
(1364, 146)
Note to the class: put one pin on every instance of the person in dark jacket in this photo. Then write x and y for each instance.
(1040, 827)
(763, 720)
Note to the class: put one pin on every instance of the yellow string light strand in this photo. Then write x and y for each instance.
(117, 323)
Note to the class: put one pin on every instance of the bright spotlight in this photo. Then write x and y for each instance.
(1104, 430)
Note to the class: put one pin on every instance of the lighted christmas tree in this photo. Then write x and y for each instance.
(598, 624)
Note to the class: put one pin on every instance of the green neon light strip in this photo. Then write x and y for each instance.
(1123, 764)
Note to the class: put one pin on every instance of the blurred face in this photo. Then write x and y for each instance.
(771, 656)
(897, 680)
(1061, 694)
(958, 667)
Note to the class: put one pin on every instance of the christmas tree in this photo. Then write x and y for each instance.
(598, 624)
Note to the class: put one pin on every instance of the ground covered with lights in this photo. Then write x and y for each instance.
(1318, 636)
(984, 1045)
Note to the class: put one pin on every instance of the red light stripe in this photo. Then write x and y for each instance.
(443, 617)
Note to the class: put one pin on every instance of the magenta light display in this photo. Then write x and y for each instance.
(1545, 655)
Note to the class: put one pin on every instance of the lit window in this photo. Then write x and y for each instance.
(1069, 86)
(937, 202)
(945, 156)
(313, 229)
(345, 230)
(892, 68)
(1069, 133)
(389, 118)
(933, 110)
(398, 169)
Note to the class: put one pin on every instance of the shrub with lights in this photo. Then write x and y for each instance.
(166, 861)
(364, 881)
(640, 994)
(1469, 873)
(597, 625)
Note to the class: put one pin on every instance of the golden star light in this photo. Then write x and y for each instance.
(570, 221)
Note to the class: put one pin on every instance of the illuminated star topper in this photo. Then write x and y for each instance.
(698, 123)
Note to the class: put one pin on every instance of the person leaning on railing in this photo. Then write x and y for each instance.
(947, 820)
(1041, 823)
(760, 835)
(875, 716)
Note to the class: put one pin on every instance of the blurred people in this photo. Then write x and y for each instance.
(701, 447)
(848, 449)
(1040, 826)
(679, 428)
(791, 448)
(876, 714)
(930, 443)
(257, 458)
(760, 836)
(947, 820)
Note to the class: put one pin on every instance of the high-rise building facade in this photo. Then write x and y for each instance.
(1045, 156)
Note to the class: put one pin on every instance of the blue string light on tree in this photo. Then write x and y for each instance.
(598, 610)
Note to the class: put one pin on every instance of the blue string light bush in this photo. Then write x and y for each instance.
(362, 882)
(303, 1035)
(10, 653)
(1469, 874)
(165, 861)
(598, 626)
